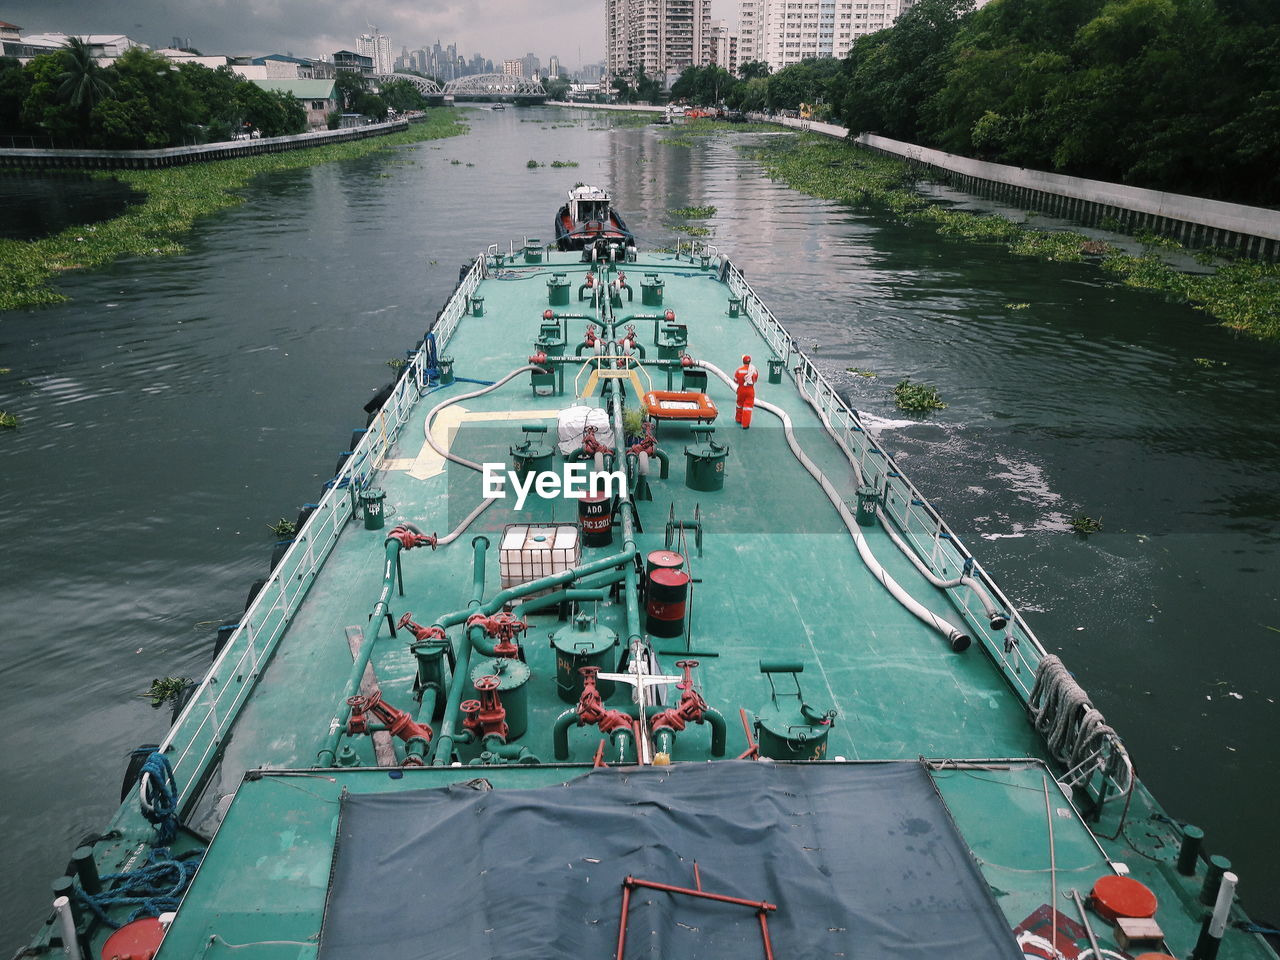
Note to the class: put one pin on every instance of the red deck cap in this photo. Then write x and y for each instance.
(666, 558)
(1115, 897)
(1154, 956)
(669, 578)
(134, 941)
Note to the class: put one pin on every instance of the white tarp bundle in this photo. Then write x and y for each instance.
(571, 425)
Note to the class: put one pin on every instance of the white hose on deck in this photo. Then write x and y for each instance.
(426, 428)
(958, 639)
(994, 613)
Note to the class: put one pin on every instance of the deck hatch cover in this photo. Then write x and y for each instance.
(861, 859)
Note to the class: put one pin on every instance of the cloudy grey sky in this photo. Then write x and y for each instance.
(497, 29)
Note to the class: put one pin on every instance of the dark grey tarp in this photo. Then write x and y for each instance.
(862, 860)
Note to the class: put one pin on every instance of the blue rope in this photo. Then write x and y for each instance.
(160, 803)
(153, 889)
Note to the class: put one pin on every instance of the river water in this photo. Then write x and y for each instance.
(173, 408)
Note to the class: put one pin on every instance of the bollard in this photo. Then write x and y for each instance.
(371, 504)
(1218, 865)
(1189, 851)
(735, 306)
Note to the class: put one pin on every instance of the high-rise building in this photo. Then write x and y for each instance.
(553, 66)
(513, 68)
(377, 47)
(532, 66)
(783, 32)
(659, 36)
(724, 46)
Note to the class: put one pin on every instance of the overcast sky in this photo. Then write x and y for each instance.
(497, 29)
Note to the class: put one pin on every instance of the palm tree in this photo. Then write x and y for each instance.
(83, 84)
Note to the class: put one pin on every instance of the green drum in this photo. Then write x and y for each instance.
(371, 505)
(558, 290)
(533, 250)
(513, 691)
(583, 643)
(704, 463)
(651, 290)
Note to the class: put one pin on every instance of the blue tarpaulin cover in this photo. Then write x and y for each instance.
(862, 861)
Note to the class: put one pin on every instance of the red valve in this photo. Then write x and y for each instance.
(691, 707)
(591, 280)
(590, 338)
(486, 717)
(420, 632)
(670, 315)
(646, 444)
(686, 360)
(398, 723)
(410, 538)
(547, 315)
(538, 358)
(591, 445)
(591, 711)
(502, 627)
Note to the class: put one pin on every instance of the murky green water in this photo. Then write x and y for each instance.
(176, 407)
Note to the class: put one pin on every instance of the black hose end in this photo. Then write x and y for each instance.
(960, 642)
(999, 621)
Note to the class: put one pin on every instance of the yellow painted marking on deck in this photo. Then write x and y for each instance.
(428, 463)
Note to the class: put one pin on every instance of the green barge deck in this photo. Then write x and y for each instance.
(262, 764)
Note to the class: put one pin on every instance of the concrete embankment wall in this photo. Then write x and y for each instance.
(177, 156)
(1193, 221)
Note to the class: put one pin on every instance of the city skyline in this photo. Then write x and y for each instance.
(572, 30)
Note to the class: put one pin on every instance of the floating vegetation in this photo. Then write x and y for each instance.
(1206, 362)
(165, 690)
(917, 397)
(283, 528)
(694, 213)
(534, 164)
(1085, 525)
(8, 421)
(1016, 306)
(455, 163)
(1242, 295)
(564, 163)
(859, 372)
(175, 198)
(676, 141)
(693, 229)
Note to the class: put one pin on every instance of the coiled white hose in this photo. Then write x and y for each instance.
(426, 427)
(994, 614)
(958, 639)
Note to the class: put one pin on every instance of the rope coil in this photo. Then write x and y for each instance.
(153, 889)
(158, 798)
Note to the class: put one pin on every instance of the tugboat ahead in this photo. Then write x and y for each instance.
(589, 216)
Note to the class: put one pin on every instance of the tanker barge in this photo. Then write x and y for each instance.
(748, 696)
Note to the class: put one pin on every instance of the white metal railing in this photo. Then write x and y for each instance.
(199, 732)
(1014, 648)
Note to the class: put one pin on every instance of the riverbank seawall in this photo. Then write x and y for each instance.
(179, 156)
(1193, 221)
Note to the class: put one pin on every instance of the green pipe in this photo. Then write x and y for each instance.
(719, 735)
(560, 733)
(338, 724)
(390, 566)
(579, 595)
(444, 743)
(462, 657)
(664, 741)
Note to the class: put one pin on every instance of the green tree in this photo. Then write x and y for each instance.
(753, 70)
(350, 85)
(401, 95)
(623, 90)
(43, 111)
(805, 82)
(82, 82)
(273, 113)
(218, 112)
(557, 88)
(151, 107)
(371, 105)
(15, 84)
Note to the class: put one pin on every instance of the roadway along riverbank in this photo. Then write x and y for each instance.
(175, 198)
(1242, 295)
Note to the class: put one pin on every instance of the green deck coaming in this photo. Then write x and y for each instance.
(781, 578)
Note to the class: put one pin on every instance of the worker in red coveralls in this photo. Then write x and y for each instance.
(745, 376)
